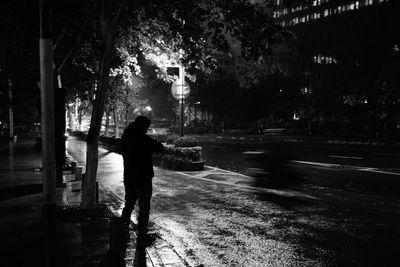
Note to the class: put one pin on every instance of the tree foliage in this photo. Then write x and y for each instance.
(197, 31)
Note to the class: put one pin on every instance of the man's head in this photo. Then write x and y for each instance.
(142, 123)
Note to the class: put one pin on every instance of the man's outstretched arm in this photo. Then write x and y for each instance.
(156, 146)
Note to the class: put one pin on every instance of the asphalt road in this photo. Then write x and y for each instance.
(215, 220)
(357, 168)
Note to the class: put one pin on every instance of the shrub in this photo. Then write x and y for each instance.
(163, 138)
(185, 153)
(185, 141)
(171, 139)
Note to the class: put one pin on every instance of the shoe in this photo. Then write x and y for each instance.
(146, 241)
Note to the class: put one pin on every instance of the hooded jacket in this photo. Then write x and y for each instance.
(137, 149)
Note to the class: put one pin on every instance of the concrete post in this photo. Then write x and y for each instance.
(47, 104)
(48, 140)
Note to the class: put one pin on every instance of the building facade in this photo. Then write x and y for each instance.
(348, 51)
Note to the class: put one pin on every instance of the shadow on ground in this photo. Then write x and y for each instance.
(21, 190)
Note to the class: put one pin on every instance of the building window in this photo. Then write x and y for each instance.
(349, 6)
(327, 60)
(369, 2)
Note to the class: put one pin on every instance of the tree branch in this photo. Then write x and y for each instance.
(58, 70)
(59, 38)
(69, 53)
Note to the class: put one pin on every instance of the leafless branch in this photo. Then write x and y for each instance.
(59, 38)
(71, 50)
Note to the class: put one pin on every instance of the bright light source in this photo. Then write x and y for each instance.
(148, 108)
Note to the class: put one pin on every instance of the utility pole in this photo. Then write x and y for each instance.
(48, 133)
(10, 110)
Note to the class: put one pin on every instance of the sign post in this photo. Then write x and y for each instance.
(180, 90)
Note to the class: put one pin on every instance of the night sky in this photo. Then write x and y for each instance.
(19, 53)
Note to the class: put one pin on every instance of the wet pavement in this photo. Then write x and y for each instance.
(221, 218)
(209, 218)
(83, 238)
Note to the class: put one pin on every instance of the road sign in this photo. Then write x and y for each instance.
(180, 91)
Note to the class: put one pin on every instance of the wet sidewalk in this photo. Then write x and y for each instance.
(83, 237)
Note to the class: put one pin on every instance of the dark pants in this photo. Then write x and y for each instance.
(141, 193)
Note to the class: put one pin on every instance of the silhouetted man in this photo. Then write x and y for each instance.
(137, 148)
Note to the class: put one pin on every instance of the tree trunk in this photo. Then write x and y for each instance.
(89, 182)
(71, 120)
(107, 131)
(80, 115)
(116, 124)
(126, 116)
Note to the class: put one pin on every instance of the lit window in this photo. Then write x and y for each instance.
(326, 12)
(305, 90)
(357, 5)
(369, 2)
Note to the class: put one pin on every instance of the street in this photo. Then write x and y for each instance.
(356, 168)
(220, 218)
